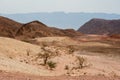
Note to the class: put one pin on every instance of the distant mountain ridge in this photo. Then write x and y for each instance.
(101, 26)
(13, 29)
(60, 19)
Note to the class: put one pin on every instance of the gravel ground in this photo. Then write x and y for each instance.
(18, 76)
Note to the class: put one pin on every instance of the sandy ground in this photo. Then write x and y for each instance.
(14, 58)
(18, 76)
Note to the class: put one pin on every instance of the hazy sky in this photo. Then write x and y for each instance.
(26, 6)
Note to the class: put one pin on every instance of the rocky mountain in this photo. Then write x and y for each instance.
(10, 28)
(101, 26)
(36, 29)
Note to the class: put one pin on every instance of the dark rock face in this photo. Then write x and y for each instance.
(8, 27)
(101, 26)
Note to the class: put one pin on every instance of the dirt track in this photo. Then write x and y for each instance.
(16, 76)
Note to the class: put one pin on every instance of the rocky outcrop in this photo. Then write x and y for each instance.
(101, 26)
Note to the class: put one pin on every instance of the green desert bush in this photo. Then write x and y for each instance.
(51, 65)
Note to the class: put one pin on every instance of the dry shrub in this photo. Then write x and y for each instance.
(71, 49)
(66, 67)
(81, 62)
(46, 55)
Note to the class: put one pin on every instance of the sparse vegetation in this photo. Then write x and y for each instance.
(68, 73)
(66, 67)
(71, 49)
(81, 62)
(44, 44)
(10, 57)
(26, 40)
(28, 52)
(45, 55)
(51, 64)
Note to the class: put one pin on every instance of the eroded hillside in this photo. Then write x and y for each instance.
(62, 58)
